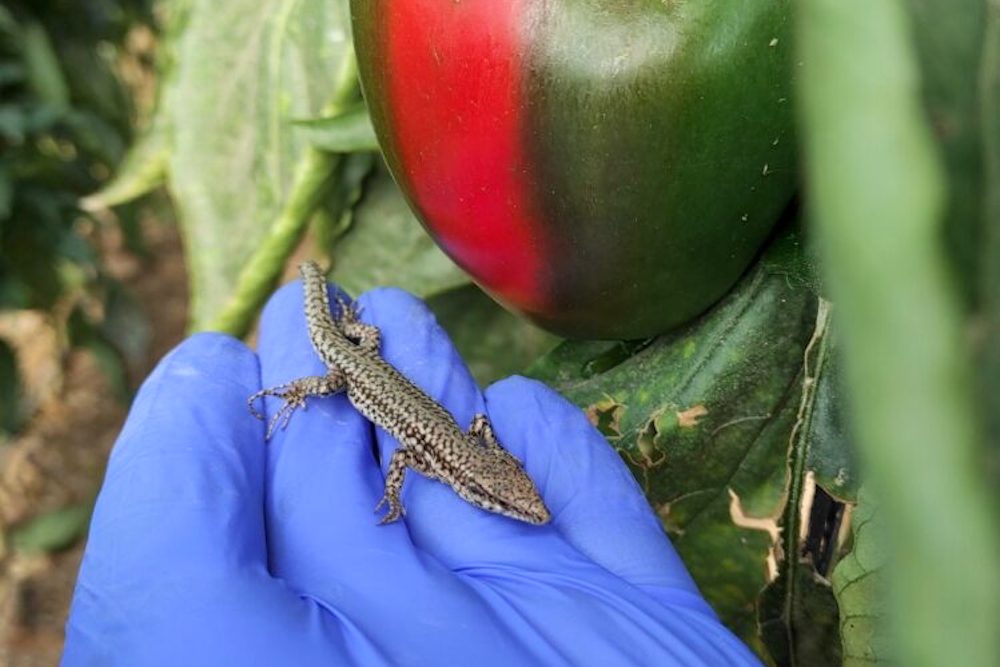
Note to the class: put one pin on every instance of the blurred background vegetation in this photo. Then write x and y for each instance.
(66, 119)
(76, 81)
(164, 164)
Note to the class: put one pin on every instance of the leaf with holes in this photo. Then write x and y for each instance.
(716, 420)
(797, 612)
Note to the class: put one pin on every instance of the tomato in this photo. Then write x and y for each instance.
(608, 168)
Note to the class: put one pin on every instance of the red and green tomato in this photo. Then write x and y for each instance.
(609, 168)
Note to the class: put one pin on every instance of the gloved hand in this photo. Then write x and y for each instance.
(209, 546)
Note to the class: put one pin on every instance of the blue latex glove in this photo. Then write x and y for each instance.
(211, 547)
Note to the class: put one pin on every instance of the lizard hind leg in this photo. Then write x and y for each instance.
(367, 336)
(402, 459)
(294, 395)
(482, 429)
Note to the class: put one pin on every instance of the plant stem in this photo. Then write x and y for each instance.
(313, 178)
(878, 198)
(989, 343)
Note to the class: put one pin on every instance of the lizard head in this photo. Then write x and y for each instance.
(498, 483)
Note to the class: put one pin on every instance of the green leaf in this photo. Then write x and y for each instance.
(95, 137)
(52, 531)
(143, 169)
(346, 132)
(705, 417)
(95, 85)
(145, 164)
(797, 611)
(859, 584)
(386, 245)
(6, 193)
(13, 123)
(32, 244)
(8, 24)
(830, 457)
(11, 74)
(799, 619)
(11, 390)
(336, 215)
(244, 71)
(42, 66)
(494, 342)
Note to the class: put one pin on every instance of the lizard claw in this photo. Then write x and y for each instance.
(348, 311)
(292, 397)
(396, 510)
(253, 399)
(284, 413)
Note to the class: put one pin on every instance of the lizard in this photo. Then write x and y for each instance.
(472, 462)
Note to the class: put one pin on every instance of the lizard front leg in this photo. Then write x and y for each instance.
(367, 336)
(402, 459)
(294, 395)
(482, 429)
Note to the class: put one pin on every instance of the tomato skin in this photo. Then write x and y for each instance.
(609, 168)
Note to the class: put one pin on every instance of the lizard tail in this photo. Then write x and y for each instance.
(321, 324)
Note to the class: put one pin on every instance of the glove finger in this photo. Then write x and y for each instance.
(184, 485)
(323, 479)
(595, 502)
(412, 341)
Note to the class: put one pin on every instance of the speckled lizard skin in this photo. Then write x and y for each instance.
(473, 463)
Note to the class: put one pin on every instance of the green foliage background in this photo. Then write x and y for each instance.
(834, 414)
(66, 120)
